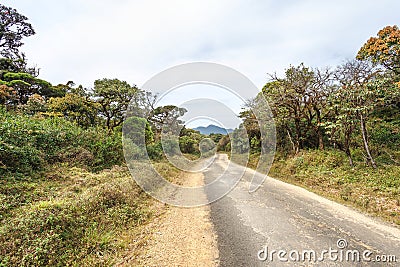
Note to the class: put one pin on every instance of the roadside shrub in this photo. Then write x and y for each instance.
(188, 145)
(105, 146)
(20, 159)
(69, 229)
(133, 151)
(29, 143)
(155, 151)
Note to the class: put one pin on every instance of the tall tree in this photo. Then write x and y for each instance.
(26, 85)
(167, 116)
(13, 28)
(383, 49)
(73, 107)
(359, 95)
(114, 97)
(298, 104)
(250, 123)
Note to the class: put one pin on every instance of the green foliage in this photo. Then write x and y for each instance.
(133, 151)
(138, 130)
(207, 147)
(239, 141)
(80, 224)
(9, 65)
(316, 108)
(75, 108)
(155, 151)
(30, 143)
(166, 116)
(170, 145)
(105, 147)
(114, 97)
(188, 145)
(26, 85)
(298, 104)
(224, 144)
(14, 27)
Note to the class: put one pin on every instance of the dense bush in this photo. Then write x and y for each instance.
(81, 226)
(155, 151)
(30, 143)
(188, 145)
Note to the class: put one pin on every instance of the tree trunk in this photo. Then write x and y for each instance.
(319, 132)
(346, 147)
(365, 141)
(348, 153)
(320, 139)
(291, 141)
(298, 136)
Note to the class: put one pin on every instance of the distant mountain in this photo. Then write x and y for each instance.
(212, 129)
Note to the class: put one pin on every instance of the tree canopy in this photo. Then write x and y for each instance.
(383, 49)
(114, 97)
(13, 27)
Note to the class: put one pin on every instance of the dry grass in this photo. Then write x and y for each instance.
(70, 216)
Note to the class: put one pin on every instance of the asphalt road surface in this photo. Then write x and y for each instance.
(282, 225)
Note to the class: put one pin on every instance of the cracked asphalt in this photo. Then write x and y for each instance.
(280, 216)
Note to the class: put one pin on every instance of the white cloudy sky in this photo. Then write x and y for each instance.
(84, 40)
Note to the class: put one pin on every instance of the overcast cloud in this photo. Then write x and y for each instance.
(132, 40)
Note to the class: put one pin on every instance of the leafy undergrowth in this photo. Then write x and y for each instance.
(68, 216)
(376, 191)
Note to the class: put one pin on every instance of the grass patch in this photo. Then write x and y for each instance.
(68, 216)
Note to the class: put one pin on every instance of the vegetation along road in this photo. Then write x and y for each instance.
(67, 197)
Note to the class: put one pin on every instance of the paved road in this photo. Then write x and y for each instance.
(279, 216)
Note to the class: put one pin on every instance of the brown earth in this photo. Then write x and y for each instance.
(178, 237)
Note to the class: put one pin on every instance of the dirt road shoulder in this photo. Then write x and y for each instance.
(179, 237)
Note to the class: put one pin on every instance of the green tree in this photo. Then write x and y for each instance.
(224, 144)
(167, 116)
(298, 103)
(9, 65)
(250, 123)
(137, 134)
(26, 85)
(76, 108)
(239, 140)
(357, 96)
(188, 145)
(114, 97)
(13, 28)
(216, 137)
(189, 140)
